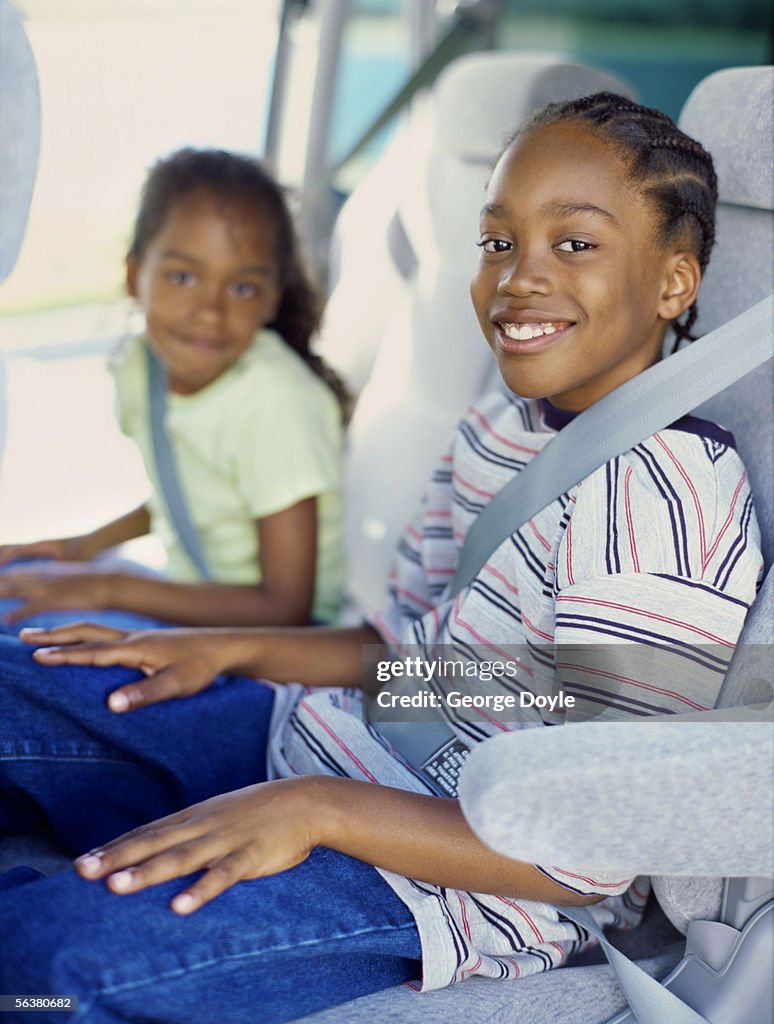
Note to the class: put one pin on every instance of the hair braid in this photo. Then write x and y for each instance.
(675, 171)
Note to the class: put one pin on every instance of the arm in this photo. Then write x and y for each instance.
(271, 827)
(288, 550)
(85, 546)
(181, 662)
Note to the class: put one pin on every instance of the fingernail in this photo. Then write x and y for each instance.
(90, 862)
(122, 880)
(118, 702)
(184, 903)
(32, 629)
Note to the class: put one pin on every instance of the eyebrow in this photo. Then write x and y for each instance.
(253, 268)
(554, 210)
(570, 209)
(492, 210)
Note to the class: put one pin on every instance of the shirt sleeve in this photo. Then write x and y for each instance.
(655, 574)
(287, 445)
(127, 365)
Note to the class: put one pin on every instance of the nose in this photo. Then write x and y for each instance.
(526, 273)
(212, 302)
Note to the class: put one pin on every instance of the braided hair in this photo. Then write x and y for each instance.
(241, 179)
(674, 170)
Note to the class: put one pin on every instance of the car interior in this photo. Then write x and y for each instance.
(414, 363)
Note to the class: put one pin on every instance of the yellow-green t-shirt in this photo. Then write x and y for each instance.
(261, 437)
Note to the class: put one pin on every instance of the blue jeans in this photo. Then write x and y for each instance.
(268, 950)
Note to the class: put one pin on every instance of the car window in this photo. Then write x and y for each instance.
(122, 83)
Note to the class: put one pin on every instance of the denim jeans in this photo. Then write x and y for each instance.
(267, 950)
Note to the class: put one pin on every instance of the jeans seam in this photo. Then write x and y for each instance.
(213, 962)
(88, 759)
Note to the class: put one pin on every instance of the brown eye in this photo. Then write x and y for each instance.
(494, 245)
(575, 245)
(244, 289)
(183, 278)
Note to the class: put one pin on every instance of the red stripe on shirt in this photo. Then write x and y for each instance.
(689, 484)
(646, 615)
(727, 523)
(338, 741)
(629, 520)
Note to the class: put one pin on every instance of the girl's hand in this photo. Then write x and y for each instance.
(252, 832)
(177, 662)
(55, 586)
(63, 549)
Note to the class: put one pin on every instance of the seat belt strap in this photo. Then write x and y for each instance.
(647, 997)
(166, 467)
(618, 422)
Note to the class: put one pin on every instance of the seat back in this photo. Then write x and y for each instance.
(730, 113)
(19, 147)
(401, 315)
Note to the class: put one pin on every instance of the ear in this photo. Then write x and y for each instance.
(132, 270)
(682, 277)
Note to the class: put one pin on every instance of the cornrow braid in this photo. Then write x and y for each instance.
(674, 170)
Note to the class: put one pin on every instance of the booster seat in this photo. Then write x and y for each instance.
(730, 113)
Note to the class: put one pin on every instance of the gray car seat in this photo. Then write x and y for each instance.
(722, 778)
(20, 120)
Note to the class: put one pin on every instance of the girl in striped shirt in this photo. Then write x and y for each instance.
(346, 873)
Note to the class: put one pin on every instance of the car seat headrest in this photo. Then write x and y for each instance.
(471, 97)
(735, 136)
(20, 135)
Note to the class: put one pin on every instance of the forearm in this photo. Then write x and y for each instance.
(134, 524)
(205, 604)
(422, 837)
(315, 656)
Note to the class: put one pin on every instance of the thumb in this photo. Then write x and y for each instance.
(169, 684)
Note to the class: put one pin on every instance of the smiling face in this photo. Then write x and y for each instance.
(207, 281)
(574, 289)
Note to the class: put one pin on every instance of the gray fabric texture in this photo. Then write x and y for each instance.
(739, 138)
(641, 798)
(573, 995)
(20, 120)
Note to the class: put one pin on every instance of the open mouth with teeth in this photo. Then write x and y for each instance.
(528, 332)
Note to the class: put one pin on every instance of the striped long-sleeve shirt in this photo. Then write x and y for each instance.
(627, 593)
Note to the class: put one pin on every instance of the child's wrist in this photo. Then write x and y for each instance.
(237, 651)
(331, 803)
(325, 810)
(83, 547)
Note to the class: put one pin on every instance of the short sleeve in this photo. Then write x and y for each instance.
(655, 574)
(127, 365)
